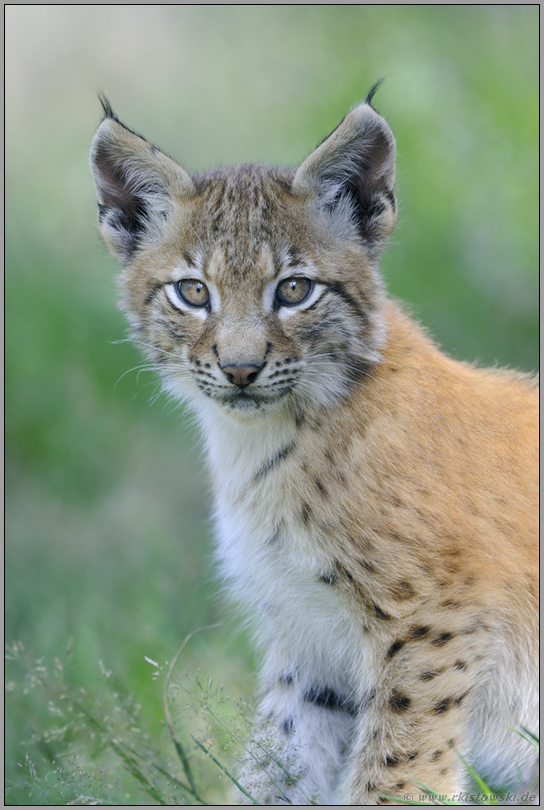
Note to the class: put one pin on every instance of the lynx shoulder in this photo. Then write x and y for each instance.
(375, 501)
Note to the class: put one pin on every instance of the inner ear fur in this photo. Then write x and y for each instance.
(352, 174)
(135, 184)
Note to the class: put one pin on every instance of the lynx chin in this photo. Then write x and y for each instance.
(375, 500)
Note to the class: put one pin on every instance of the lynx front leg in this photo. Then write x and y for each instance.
(299, 752)
(407, 736)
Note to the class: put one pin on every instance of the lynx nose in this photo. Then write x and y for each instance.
(242, 375)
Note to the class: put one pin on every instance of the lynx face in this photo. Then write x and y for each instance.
(253, 286)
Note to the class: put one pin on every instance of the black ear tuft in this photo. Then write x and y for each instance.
(106, 107)
(372, 92)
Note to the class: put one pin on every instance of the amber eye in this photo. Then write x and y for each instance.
(193, 292)
(294, 291)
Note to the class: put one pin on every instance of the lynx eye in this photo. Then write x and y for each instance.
(293, 291)
(193, 292)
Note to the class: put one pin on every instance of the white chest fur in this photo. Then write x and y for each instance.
(275, 564)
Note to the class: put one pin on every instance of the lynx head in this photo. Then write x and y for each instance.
(252, 287)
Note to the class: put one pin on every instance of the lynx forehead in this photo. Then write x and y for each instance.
(375, 501)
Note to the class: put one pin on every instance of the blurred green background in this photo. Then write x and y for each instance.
(108, 535)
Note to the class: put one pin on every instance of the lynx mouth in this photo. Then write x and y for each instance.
(251, 401)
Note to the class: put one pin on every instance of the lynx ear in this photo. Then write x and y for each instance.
(135, 186)
(352, 175)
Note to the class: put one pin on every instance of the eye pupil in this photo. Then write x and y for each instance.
(293, 291)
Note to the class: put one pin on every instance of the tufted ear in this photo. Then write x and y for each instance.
(135, 186)
(352, 175)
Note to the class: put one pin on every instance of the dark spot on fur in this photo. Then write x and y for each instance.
(398, 702)
(420, 632)
(274, 461)
(287, 726)
(328, 579)
(327, 698)
(451, 603)
(391, 761)
(402, 590)
(381, 614)
(459, 700)
(460, 665)
(436, 756)
(412, 755)
(305, 513)
(286, 679)
(443, 771)
(395, 647)
(367, 566)
(429, 674)
(443, 638)
(320, 487)
(442, 706)
(343, 571)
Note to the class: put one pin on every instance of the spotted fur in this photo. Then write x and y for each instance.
(375, 501)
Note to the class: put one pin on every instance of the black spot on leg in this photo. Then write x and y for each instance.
(442, 706)
(391, 761)
(429, 674)
(327, 698)
(443, 638)
(460, 665)
(398, 702)
(394, 648)
(459, 700)
(328, 579)
(436, 756)
(420, 632)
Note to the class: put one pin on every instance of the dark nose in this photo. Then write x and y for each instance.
(242, 375)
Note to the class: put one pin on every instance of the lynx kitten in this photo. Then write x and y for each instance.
(375, 501)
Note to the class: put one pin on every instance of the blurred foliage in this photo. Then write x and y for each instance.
(107, 530)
